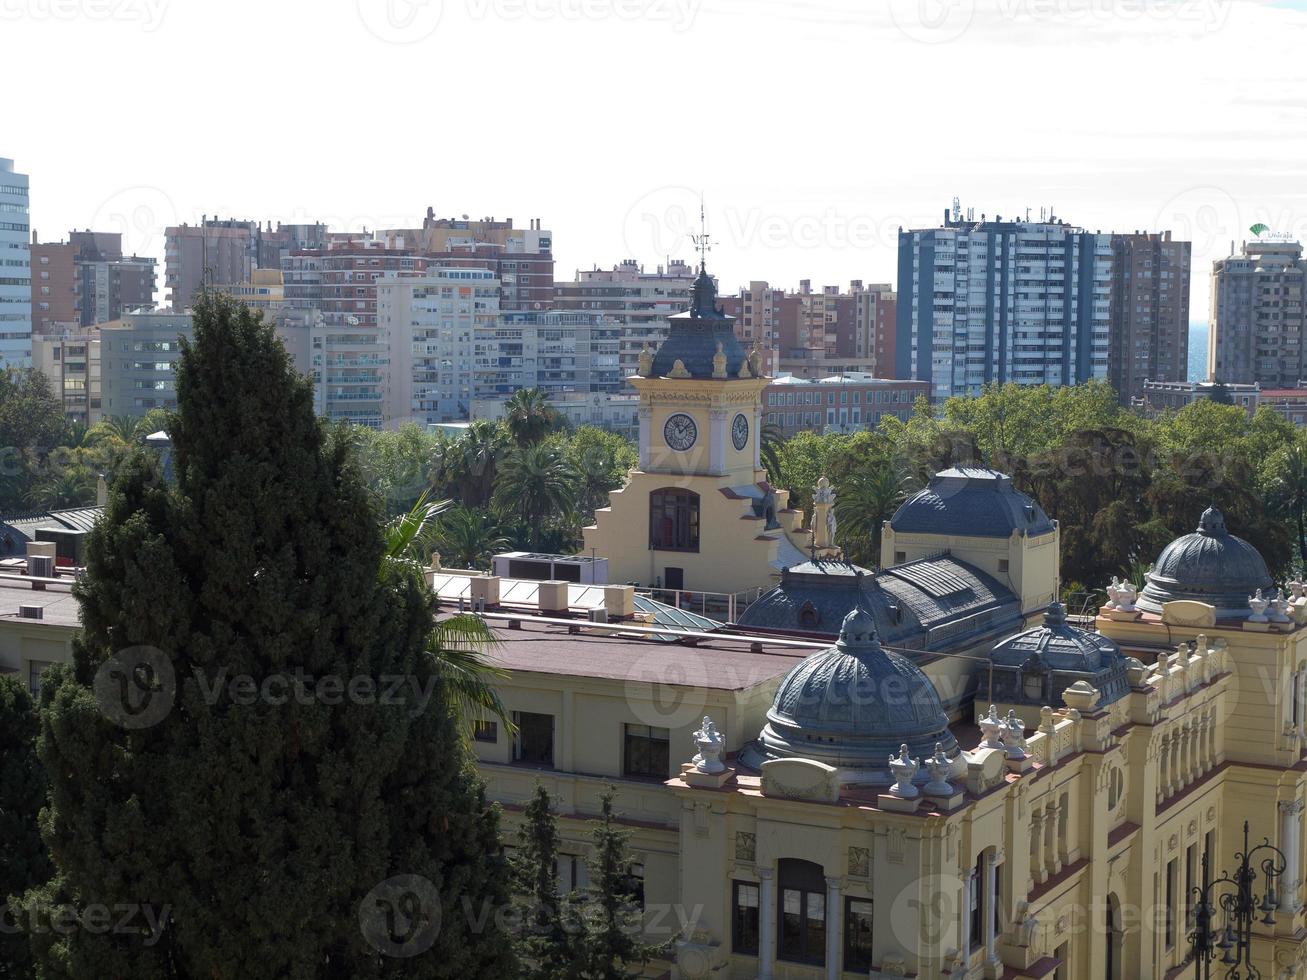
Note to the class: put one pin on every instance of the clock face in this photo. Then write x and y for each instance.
(740, 431)
(680, 432)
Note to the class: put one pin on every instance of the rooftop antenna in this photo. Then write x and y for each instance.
(701, 241)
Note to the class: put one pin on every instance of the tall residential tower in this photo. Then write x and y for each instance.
(996, 301)
(15, 268)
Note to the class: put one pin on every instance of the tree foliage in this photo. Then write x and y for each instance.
(221, 752)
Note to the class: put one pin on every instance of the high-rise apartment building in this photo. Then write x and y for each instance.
(1149, 312)
(226, 252)
(138, 361)
(522, 258)
(1256, 329)
(430, 324)
(1002, 301)
(87, 280)
(69, 357)
(15, 267)
(639, 301)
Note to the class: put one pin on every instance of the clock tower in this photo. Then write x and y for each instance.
(698, 513)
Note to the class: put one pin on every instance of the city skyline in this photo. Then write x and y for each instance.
(1090, 146)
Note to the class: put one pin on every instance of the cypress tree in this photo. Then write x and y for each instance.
(23, 863)
(547, 945)
(611, 932)
(233, 753)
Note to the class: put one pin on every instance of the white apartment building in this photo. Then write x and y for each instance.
(429, 324)
(1257, 324)
(639, 301)
(1002, 301)
(15, 268)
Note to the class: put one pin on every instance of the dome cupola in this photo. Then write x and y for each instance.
(851, 706)
(1210, 565)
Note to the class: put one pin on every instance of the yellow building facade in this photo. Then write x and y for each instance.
(697, 513)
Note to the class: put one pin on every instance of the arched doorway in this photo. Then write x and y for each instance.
(1115, 938)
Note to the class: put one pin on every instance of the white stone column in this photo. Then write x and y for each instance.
(1050, 840)
(1290, 829)
(834, 925)
(991, 904)
(766, 922)
(646, 421)
(718, 435)
(1037, 848)
(969, 899)
(1300, 694)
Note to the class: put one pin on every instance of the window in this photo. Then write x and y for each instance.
(1170, 904)
(1003, 566)
(635, 884)
(801, 932)
(1190, 875)
(977, 936)
(486, 731)
(646, 751)
(857, 935)
(674, 520)
(534, 741)
(900, 557)
(744, 921)
(34, 669)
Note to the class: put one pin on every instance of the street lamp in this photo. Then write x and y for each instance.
(1232, 901)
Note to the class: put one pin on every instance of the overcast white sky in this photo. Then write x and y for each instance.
(813, 129)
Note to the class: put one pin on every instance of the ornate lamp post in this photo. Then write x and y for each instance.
(1231, 900)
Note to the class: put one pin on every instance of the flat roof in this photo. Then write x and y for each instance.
(59, 608)
(715, 664)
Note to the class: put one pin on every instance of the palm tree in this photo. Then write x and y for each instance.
(459, 644)
(1291, 484)
(73, 487)
(530, 417)
(537, 483)
(467, 538)
(865, 501)
(771, 439)
(467, 466)
(117, 430)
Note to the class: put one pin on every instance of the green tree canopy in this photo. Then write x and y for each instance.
(221, 752)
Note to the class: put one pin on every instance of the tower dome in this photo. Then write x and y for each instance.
(971, 501)
(1034, 667)
(852, 706)
(1210, 565)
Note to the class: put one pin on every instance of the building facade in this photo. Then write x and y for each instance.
(1149, 331)
(699, 501)
(69, 357)
(641, 302)
(15, 267)
(992, 302)
(87, 281)
(1256, 328)
(138, 362)
(843, 403)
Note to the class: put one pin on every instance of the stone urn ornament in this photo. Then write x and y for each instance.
(710, 743)
(939, 767)
(904, 769)
(1114, 594)
(993, 728)
(1015, 736)
(1279, 608)
(1258, 605)
(1129, 595)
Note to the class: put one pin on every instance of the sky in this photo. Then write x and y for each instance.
(812, 131)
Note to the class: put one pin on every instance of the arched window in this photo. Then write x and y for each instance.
(809, 618)
(674, 520)
(801, 932)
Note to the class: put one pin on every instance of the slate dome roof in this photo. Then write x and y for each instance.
(971, 501)
(695, 334)
(1067, 654)
(852, 706)
(1210, 565)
